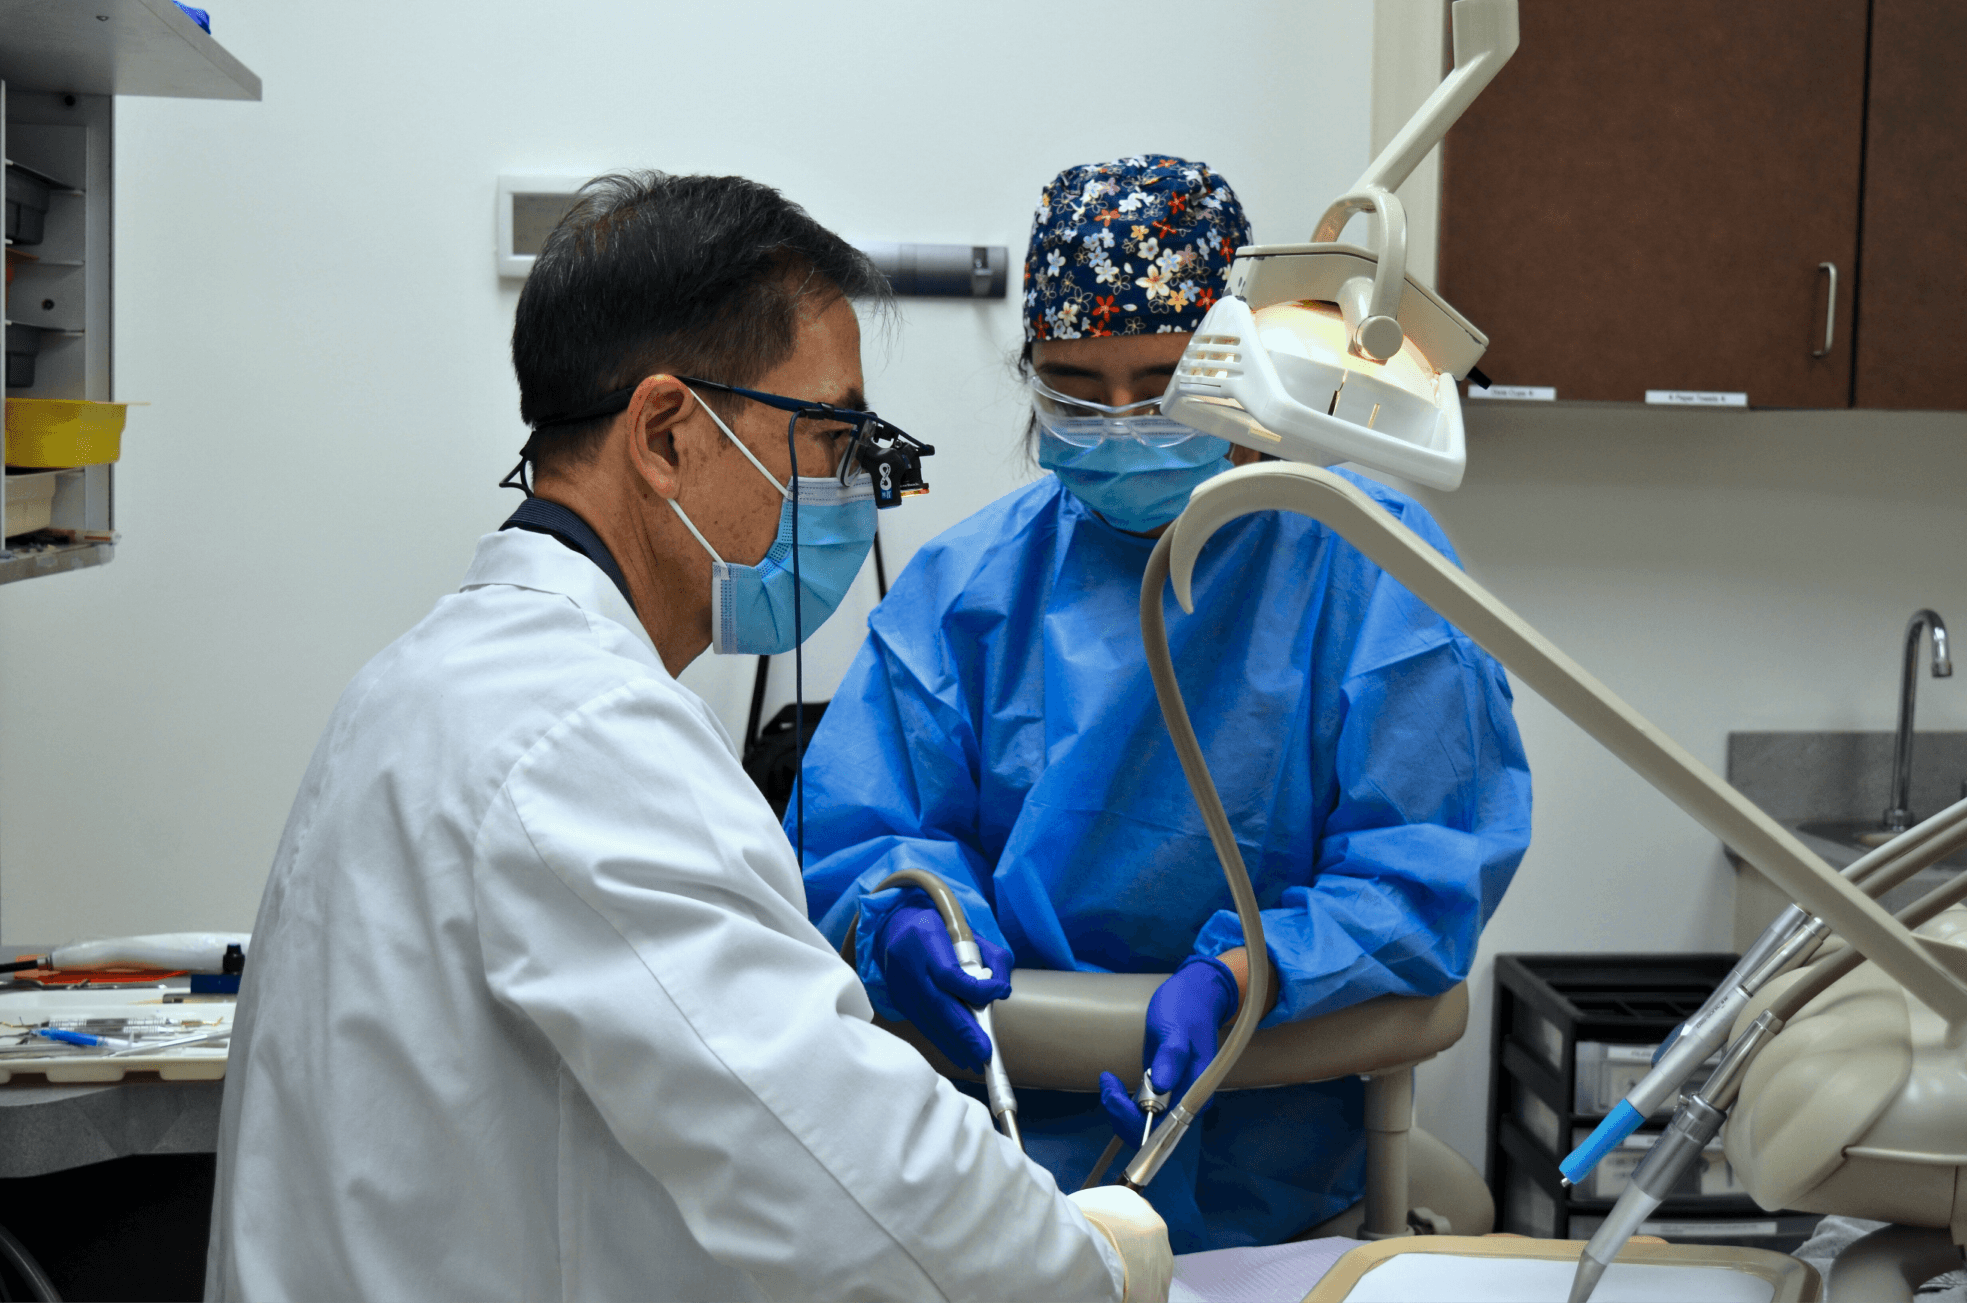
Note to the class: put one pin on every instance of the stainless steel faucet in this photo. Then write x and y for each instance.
(1900, 816)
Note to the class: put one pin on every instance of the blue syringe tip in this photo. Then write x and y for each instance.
(1621, 1122)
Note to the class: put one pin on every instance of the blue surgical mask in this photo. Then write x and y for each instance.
(751, 607)
(1135, 484)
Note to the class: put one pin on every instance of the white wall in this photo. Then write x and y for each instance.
(305, 292)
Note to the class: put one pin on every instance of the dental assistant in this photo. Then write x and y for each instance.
(536, 1011)
(999, 728)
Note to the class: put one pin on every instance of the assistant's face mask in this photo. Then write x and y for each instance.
(1131, 464)
(751, 607)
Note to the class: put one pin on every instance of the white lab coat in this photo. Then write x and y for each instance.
(534, 1010)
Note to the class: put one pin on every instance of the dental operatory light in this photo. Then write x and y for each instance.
(1327, 352)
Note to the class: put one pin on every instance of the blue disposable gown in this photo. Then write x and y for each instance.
(999, 728)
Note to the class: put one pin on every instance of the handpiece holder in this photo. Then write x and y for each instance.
(1425, 572)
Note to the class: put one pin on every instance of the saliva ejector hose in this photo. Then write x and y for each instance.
(1787, 942)
(1174, 711)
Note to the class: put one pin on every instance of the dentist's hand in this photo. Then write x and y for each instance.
(930, 988)
(1182, 1020)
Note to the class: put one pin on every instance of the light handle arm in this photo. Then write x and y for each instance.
(1485, 38)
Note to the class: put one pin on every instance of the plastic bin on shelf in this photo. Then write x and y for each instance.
(55, 432)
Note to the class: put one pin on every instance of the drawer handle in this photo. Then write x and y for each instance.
(1830, 311)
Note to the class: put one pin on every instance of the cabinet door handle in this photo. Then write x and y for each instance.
(1830, 311)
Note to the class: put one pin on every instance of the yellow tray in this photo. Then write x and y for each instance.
(63, 432)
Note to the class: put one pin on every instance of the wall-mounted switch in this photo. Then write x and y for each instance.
(530, 206)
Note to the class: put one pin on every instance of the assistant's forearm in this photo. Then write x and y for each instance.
(1237, 961)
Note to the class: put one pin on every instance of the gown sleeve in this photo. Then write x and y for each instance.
(890, 783)
(1430, 818)
(638, 907)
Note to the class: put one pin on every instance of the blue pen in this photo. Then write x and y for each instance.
(83, 1039)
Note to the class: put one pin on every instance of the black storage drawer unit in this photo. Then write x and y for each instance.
(1572, 1034)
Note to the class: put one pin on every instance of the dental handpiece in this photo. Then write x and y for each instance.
(1152, 1103)
(1693, 1128)
(997, 1081)
(1698, 1038)
(1786, 943)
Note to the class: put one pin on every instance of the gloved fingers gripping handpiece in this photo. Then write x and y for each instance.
(944, 979)
(1182, 1020)
(1137, 1234)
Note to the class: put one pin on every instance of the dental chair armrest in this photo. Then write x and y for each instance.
(1059, 1031)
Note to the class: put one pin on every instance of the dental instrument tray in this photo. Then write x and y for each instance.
(135, 1029)
(1571, 1034)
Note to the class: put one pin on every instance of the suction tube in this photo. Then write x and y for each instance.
(1174, 712)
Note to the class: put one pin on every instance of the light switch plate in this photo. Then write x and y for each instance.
(529, 206)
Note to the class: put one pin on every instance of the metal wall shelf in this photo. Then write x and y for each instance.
(32, 563)
(116, 47)
(62, 62)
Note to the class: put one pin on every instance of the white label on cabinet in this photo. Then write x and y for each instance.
(1521, 393)
(1695, 398)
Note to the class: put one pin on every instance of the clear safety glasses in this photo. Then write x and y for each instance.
(1084, 424)
(891, 458)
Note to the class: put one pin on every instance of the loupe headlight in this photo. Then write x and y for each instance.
(891, 458)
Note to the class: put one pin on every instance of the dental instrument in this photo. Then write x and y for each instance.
(145, 1047)
(84, 1039)
(1696, 1123)
(1152, 1102)
(1702, 1114)
(1876, 872)
(997, 1081)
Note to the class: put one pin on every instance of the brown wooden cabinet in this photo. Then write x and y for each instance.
(1648, 194)
(1912, 270)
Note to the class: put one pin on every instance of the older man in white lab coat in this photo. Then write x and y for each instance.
(534, 1008)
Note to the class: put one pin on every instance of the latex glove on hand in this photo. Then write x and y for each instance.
(929, 987)
(1137, 1233)
(1183, 1017)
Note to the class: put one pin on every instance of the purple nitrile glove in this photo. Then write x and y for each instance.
(1182, 1019)
(931, 990)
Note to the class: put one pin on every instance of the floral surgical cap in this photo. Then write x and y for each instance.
(1141, 246)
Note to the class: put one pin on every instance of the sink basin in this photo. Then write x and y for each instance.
(1862, 835)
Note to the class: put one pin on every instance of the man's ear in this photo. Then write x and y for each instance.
(659, 405)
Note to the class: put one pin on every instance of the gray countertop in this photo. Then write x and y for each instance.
(48, 1128)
